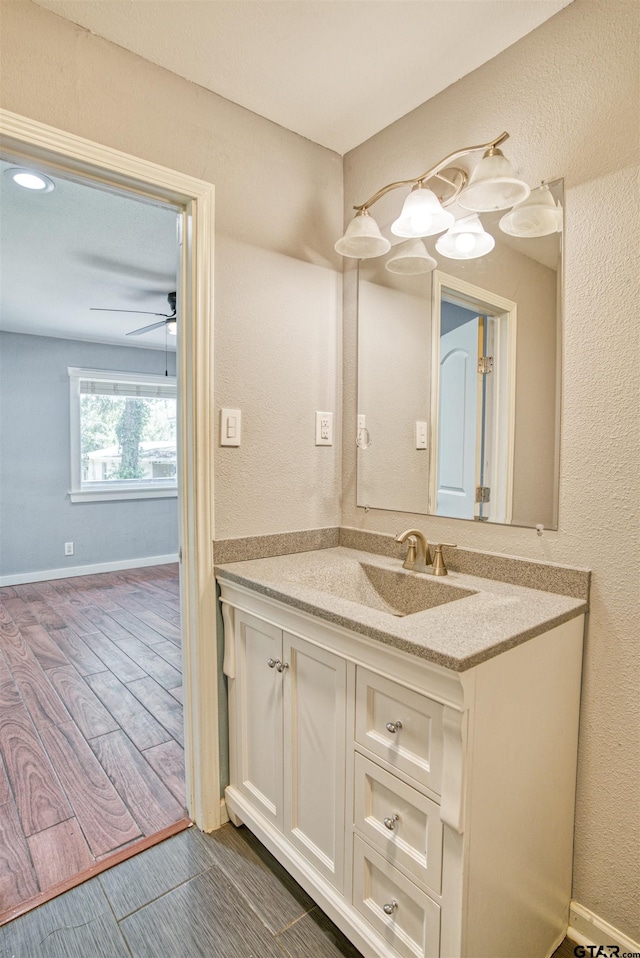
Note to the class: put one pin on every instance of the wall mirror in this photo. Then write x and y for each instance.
(459, 380)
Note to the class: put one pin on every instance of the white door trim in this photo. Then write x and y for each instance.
(23, 138)
(505, 387)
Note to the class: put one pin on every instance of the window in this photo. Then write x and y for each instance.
(123, 435)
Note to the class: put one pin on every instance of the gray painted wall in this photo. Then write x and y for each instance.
(36, 516)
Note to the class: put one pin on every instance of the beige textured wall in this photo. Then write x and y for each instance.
(394, 348)
(568, 94)
(278, 210)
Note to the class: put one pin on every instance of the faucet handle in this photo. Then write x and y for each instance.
(439, 567)
(412, 553)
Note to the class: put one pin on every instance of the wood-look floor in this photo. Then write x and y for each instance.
(91, 731)
(193, 896)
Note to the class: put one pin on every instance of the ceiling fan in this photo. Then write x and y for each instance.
(169, 320)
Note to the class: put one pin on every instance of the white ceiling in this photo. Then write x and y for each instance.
(334, 71)
(77, 247)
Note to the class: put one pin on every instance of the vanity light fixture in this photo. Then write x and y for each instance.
(362, 238)
(466, 239)
(493, 185)
(30, 179)
(410, 258)
(538, 215)
(423, 213)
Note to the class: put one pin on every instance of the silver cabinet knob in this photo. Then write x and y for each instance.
(281, 666)
(393, 727)
(273, 663)
(390, 907)
(391, 823)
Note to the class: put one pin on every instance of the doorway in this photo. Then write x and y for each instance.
(473, 401)
(26, 142)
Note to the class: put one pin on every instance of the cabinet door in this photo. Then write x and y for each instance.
(259, 714)
(314, 755)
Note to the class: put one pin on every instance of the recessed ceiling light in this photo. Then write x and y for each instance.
(30, 180)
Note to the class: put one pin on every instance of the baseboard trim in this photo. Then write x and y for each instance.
(587, 928)
(69, 572)
(224, 812)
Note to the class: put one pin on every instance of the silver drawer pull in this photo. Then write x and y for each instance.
(281, 666)
(393, 727)
(273, 663)
(391, 823)
(390, 907)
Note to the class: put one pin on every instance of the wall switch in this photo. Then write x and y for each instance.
(230, 427)
(324, 429)
(68, 548)
(421, 434)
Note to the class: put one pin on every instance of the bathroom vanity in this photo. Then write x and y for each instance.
(406, 747)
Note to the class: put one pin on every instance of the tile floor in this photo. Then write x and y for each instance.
(192, 896)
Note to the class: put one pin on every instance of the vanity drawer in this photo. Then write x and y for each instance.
(396, 908)
(400, 726)
(400, 822)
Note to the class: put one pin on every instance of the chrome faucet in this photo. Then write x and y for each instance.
(418, 555)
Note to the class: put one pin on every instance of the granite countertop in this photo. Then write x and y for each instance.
(333, 584)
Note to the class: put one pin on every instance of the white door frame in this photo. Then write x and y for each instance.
(503, 432)
(26, 139)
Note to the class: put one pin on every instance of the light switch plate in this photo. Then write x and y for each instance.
(324, 429)
(421, 434)
(230, 427)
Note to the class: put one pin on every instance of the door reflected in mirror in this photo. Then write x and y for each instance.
(459, 381)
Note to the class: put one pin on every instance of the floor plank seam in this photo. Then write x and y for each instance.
(295, 921)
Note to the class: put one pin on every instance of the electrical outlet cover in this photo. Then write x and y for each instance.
(324, 429)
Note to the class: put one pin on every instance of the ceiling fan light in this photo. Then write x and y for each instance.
(466, 239)
(493, 185)
(362, 238)
(410, 259)
(172, 327)
(538, 215)
(422, 215)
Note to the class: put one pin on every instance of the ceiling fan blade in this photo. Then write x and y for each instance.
(144, 312)
(147, 329)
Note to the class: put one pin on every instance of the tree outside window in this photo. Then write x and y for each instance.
(123, 434)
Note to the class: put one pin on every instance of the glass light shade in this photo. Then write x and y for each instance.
(30, 180)
(422, 215)
(172, 327)
(538, 215)
(466, 239)
(410, 258)
(493, 185)
(362, 238)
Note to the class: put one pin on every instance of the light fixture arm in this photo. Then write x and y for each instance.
(435, 171)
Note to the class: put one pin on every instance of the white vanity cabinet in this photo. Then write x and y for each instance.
(289, 734)
(429, 812)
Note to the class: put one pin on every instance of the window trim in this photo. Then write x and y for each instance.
(126, 489)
